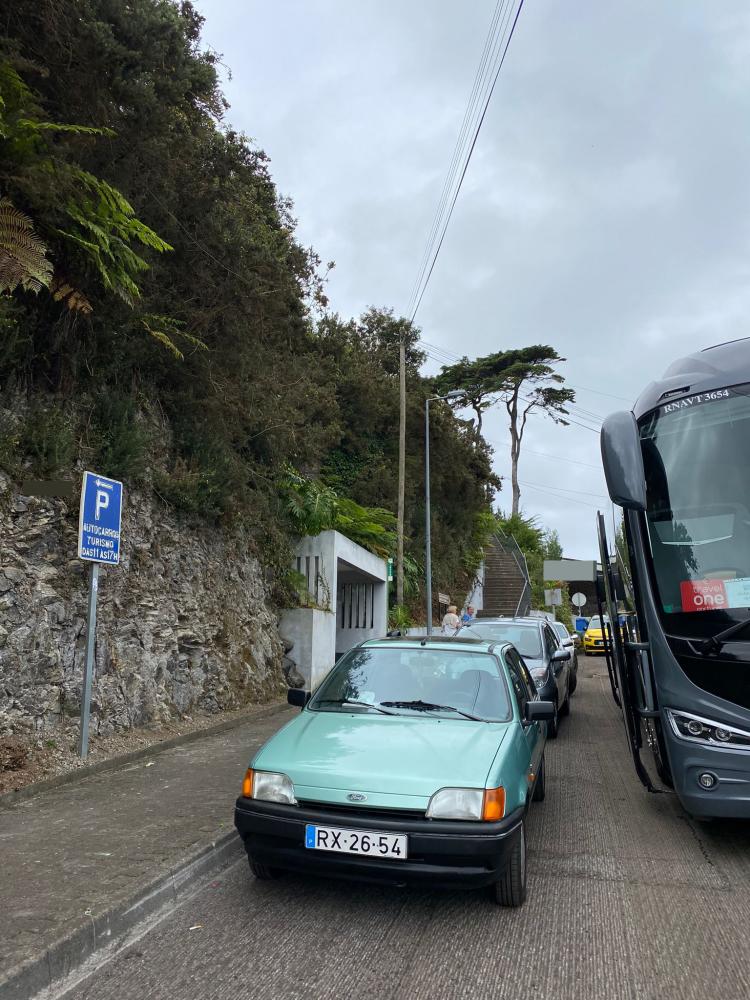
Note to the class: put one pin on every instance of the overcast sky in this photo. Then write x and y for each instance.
(605, 210)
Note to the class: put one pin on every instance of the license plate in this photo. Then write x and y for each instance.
(599, 642)
(380, 845)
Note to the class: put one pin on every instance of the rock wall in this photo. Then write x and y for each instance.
(184, 622)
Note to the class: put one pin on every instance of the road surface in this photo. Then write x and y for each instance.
(628, 898)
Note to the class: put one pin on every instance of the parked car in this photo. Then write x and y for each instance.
(414, 762)
(548, 662)
(593, 637)
(568, 641)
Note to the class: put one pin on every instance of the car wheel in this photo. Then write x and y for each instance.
(510, 888)
(538, 794)
(574, 681)
(565, 707)
(554, 724)
(262, 872)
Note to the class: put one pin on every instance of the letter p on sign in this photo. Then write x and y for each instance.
(102, 502)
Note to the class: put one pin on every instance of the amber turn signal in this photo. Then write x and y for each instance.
(247, 784)
(493, 807)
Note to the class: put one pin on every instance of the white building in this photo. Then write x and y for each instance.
(348, 602)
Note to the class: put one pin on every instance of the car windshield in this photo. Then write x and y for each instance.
(698, 511)
(415, 680)
(525, 638)
(560, 629)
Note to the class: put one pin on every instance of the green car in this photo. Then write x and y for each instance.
(413, 763)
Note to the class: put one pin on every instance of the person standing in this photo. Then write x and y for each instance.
(451, 621)
(468, 615)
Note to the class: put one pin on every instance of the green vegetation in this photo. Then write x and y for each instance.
(524, 380)
(160, 318)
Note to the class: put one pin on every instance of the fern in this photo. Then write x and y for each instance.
(23, 255)
(164, 329)
(72, 298)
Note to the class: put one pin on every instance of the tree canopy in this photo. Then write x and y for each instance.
(167, 326)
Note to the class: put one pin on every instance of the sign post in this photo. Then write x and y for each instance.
(99, 525)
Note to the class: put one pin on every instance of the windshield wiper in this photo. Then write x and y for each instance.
(714, 643)
(350, 701)
(428, 706)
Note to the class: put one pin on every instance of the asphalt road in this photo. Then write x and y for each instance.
(628, 897)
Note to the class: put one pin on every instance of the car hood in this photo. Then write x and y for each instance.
(390, 759)
(593, 633)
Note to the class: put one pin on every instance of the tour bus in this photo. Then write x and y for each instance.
(678, 465)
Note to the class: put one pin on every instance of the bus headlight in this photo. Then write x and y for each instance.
(707, 731)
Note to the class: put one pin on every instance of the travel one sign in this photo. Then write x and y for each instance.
(100, 519)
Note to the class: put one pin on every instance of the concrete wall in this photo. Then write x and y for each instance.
(312, 633)
(348, 586)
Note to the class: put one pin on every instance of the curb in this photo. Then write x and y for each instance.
(113, 763)
(108, 928)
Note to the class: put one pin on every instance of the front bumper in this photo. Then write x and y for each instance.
(730, 796)
(441, 853)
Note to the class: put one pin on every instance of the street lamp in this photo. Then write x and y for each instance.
(453, 394)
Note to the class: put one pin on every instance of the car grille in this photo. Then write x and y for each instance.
(361, 812)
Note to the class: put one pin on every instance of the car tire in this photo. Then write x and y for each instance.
(510, 888)
(262, 872)
(553, 726)
(539, 785)
(574, 681)
(565, 707)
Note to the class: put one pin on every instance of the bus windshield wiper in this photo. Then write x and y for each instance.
(428, 706)
(715, 642)
(351, 701)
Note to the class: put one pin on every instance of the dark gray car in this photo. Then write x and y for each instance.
(548, 663)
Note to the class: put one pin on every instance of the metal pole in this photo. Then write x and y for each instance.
(401, 472)
(88, 670)
(427, 538)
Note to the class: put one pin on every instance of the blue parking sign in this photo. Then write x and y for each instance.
(99, 520)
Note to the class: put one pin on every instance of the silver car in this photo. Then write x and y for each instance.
(568, 641)
(542, 652)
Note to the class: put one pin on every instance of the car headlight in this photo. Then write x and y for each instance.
(269, 786)
(467, 803)
(707, 731)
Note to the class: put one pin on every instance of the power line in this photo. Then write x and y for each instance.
(457, 150)
(445, 225)
(559, 496)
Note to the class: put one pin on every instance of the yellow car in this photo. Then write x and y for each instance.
(593, 637)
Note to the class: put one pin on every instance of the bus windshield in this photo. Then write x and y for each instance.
(698, 502)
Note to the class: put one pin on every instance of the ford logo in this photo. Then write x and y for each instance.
(356, 797)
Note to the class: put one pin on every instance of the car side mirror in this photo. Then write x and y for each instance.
(298, 697)
(540, 711)
(560, 655)
(623, 461)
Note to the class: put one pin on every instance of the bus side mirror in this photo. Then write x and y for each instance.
(623, 461)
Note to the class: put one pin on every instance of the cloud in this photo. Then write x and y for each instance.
(606, 210)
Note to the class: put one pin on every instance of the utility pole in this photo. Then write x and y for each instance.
(401, 472)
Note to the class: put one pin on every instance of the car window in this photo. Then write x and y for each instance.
(468, 681)
(520, 680)
(561, 630)
(550, 641)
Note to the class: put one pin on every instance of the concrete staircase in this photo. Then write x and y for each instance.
(505, 583)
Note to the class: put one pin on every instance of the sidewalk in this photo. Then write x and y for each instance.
(80, 861)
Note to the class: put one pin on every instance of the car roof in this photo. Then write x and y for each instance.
(444, 642)
(520, 620)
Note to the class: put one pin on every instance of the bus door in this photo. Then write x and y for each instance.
(626, 667)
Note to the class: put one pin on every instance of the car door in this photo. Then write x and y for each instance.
(559, 668)
(525, 691)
